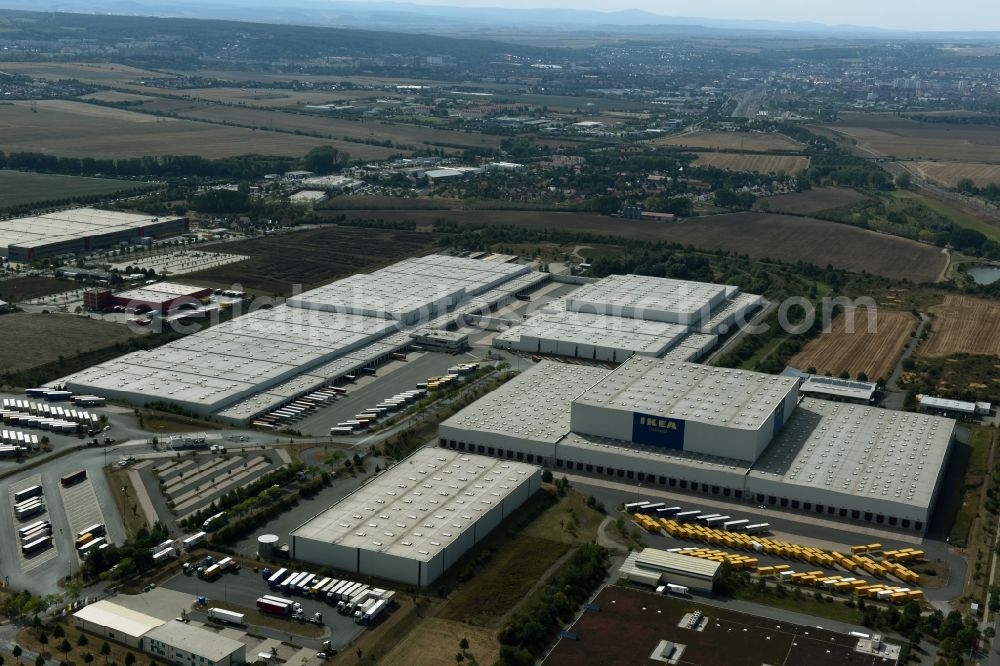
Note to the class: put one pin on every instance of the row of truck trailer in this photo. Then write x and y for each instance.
(358, 600)
(381, 410)
(299, 408)
(647, 513)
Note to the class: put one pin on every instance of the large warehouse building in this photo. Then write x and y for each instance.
(733, 433)
(621, 315)
(415, 520)
(260, 361)
(80, 230)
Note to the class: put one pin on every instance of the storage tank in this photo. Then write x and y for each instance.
(266, 543)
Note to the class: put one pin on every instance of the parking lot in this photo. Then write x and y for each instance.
(29, 563)
(244, 587)
(368, 391)
(180, 261)
(81, 505)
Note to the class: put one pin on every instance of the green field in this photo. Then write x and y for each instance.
(953, 213)
(19, 188)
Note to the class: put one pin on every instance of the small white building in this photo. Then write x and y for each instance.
(190, 645)
(116, 623)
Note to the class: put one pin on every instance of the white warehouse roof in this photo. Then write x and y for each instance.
(676, 563)
(411, 289)
(862, 451)
(75, 223)
(212, 646)
(590, 331)
(651, 298)
(215, 368)
(420, 506)
(947, 404)
(534, 406)
(108, 614)
(672, 389)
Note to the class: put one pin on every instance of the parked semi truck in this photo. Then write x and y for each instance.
(225, 616)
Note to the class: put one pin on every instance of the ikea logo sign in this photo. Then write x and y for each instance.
(658, 431)
(653, 422)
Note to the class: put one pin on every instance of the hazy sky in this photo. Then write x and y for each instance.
(902, 14)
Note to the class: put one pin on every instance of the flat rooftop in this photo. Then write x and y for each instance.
(842, 388)
(420, 286)
(651, 338)
(633, 625)
(653, 298)
(108, 614)
(216, 367)
(419, 506)
(722, 397)
(73, 224)
(859, 450)
(535, 405)
(688, 459)
(202, 642)
(161, 291)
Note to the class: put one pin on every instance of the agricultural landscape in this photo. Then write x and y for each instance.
(311, 335)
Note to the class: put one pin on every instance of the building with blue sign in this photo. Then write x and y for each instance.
(741, 435)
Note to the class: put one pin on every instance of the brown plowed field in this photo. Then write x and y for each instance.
(964, 325)
(893, 136)
(68, 128)
(790, 164)
(759, 235)
(760, 141)
(811, 201)
(873, 353)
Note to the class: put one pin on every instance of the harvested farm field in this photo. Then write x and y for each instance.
(810, 202)
(859, 340)
(78, 129)
(759, 235)
(28, 338)
(309, 258)
(894, 136)
(963, 325)
(18, 188)
(19, 289)
(790, 164)
(752, 141)
(85, 72)
(949, 173)
(399, 134)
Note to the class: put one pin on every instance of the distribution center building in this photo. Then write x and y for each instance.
(613, 318)
(732, 433)
(416, 519)
(80, 230)
(251, 364)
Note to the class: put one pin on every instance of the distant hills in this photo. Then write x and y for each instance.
(410, 17)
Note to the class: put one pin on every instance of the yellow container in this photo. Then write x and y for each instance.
(858, 549)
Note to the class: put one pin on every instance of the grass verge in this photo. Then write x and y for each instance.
(29, 639)
(125, 500)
